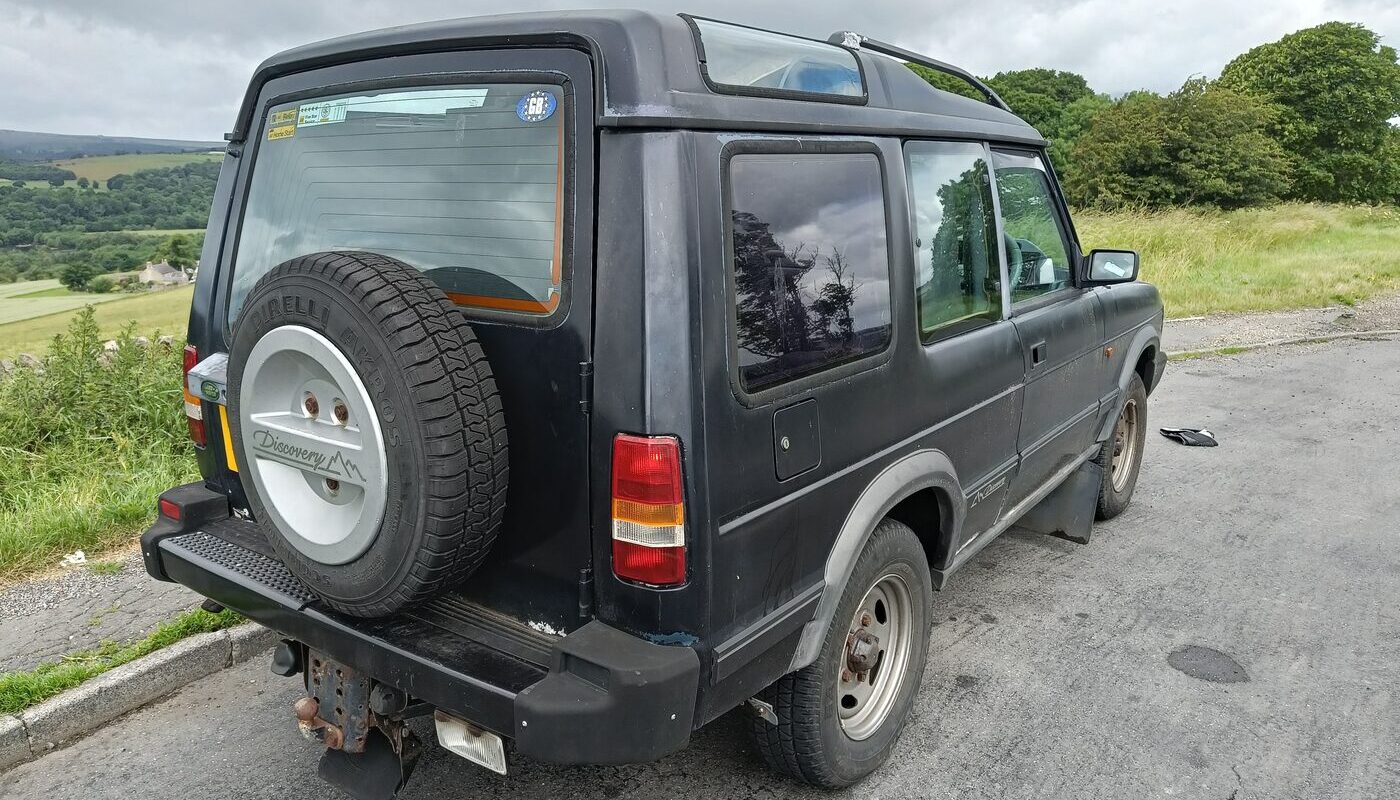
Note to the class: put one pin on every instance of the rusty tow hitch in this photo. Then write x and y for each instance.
(370, 752)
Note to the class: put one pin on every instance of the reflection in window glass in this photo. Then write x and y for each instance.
(1037, 255)
(958, 269)
(744, 57)
(811, 267)
(462, 182)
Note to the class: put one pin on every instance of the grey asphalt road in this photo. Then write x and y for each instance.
(1051, 672)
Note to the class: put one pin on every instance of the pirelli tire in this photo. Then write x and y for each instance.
(368, 430)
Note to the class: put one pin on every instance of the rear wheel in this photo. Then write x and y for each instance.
(1121, 456)
(839, 718)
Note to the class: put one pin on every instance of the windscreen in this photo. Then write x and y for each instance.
(464, 182)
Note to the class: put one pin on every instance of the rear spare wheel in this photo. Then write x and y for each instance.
(368, 430)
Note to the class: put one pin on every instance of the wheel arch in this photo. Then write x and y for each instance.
(1142, 353)
(903, 489)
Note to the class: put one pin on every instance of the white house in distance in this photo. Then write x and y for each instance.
(162, 274)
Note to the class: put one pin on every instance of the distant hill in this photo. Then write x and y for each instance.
(33, 146)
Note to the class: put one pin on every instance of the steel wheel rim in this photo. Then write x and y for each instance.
(864, 699)
(313, 444)
(1125, 445)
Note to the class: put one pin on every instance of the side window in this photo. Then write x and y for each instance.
(1037, 249)
(811, 264)
(958, 275)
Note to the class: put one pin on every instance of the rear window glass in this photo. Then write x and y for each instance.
(742, 58)
(811, 264)
(462, 182)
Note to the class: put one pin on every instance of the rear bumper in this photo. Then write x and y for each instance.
(595, 696)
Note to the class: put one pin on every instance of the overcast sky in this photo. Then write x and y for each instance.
(177, 68)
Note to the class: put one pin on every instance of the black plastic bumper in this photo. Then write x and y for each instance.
(595, 696)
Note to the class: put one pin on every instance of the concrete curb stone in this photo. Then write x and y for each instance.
(85, 708)
(14, 742)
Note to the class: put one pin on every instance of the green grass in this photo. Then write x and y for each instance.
(166, 311)
(86, 444)
(104, 567)
(20, 690)
(28, 300)
(103, 167)
(1288, 256)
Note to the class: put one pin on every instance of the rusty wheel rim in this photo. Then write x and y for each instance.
(1125, 446)
(875, 657)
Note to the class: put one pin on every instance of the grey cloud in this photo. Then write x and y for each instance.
(177, 69)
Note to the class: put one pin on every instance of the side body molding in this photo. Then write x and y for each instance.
(1146, 336)
(922, 469)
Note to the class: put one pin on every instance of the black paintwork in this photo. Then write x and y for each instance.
(955, 436)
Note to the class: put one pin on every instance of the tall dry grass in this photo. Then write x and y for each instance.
(1287, 256)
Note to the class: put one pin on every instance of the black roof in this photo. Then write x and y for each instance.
(648, 75)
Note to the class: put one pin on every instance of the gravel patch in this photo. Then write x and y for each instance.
(1239, 330)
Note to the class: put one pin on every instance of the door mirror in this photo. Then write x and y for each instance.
(1112, 266)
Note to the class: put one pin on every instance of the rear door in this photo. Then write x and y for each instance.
(1060, 325)
(477, 168)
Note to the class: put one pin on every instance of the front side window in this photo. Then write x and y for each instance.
(1037, 249)
(811, 265)
(958, 268)
(463, 182)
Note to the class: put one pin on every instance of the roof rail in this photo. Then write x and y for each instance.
(856, 41)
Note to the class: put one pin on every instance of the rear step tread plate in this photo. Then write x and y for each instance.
(427, 654)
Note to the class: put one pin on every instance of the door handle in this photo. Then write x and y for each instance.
(1037, 354)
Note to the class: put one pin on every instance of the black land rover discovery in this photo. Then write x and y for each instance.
(575, 378)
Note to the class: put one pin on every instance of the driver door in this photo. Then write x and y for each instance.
(1060, 325)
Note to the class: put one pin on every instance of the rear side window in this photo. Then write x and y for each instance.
(463, 182)
(810, 261)
(958, 267)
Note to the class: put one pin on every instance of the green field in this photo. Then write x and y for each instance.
(29, 299)
(1288, 256)
(166, 311)
(103, 167)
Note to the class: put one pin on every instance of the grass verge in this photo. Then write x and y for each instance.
(20, 690)
(87, 442)
(1299, 255)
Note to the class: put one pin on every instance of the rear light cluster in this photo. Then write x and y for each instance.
(648, 510)
(194, 413)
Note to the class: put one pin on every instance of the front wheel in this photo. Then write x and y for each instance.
(1121, 456)
(838, 718)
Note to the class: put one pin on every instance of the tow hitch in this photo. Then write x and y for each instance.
(369, 751)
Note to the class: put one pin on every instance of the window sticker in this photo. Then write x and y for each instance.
(282, 132)
(321, 113)
(537, 106)
(283, 117)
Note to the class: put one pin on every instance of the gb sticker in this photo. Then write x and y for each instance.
(537, 106)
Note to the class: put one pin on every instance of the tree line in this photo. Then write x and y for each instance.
(171, 197)
(1308, 117)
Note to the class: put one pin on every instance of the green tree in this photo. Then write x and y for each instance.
(1337, 89)
(178, 251)
(101, 284)
(76, 275)
(55, 182)
(82, 183)
(1040, 96)
(1201, 145)
(17, 184)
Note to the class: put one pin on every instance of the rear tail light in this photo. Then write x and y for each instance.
(194, 413)
(648, 510)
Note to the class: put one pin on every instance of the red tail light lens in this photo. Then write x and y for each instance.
(648, 510)
(194, 413)
(169, 510)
